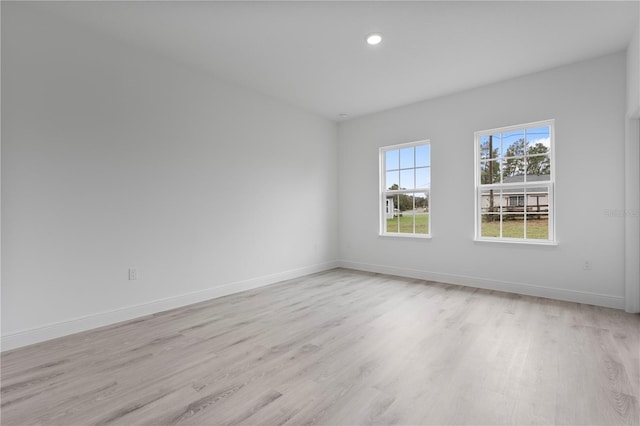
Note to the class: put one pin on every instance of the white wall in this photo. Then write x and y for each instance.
(587, 100)
(633, 75)
(632, 177)
(113, 157)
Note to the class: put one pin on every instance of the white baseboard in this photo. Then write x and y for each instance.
(76, 325)
(509, 287)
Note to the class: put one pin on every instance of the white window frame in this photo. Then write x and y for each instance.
(384, 192)
(549, 185)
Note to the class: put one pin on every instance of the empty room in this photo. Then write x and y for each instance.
(320, 213)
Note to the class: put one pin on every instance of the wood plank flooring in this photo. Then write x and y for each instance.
(339, 348)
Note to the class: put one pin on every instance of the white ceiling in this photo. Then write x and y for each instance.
(313, 54)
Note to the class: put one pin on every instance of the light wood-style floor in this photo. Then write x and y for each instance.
(339, 348)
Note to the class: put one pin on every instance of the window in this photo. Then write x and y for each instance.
(405, 185)
(516, 200)
(514, 183)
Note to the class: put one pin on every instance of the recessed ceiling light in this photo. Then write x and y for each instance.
(374, 38)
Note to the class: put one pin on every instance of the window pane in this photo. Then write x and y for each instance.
(490, 201)
(513, 170)
(538, 200)
(406, 158)
(392, 159)
(422, 223)
(421, 213)
(489, 172)
(392, 224)
(490, 225)
(513, 226)
(405, 203)
(538, 226)
(513, 144)
(392, 217)
(538, 140)
(393, 180)
(388, 208)
(423, 177)
(538, 168)
(406, 213)
(422, 202)
(489, 147)
(423, 155)
(407, 179)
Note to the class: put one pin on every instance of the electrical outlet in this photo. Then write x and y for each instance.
(587, 265)
(133, 274)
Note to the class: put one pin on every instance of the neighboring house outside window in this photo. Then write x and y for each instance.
(515, 176)
(405, 190)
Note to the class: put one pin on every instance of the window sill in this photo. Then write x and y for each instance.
(516, 241)
(405, 236)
